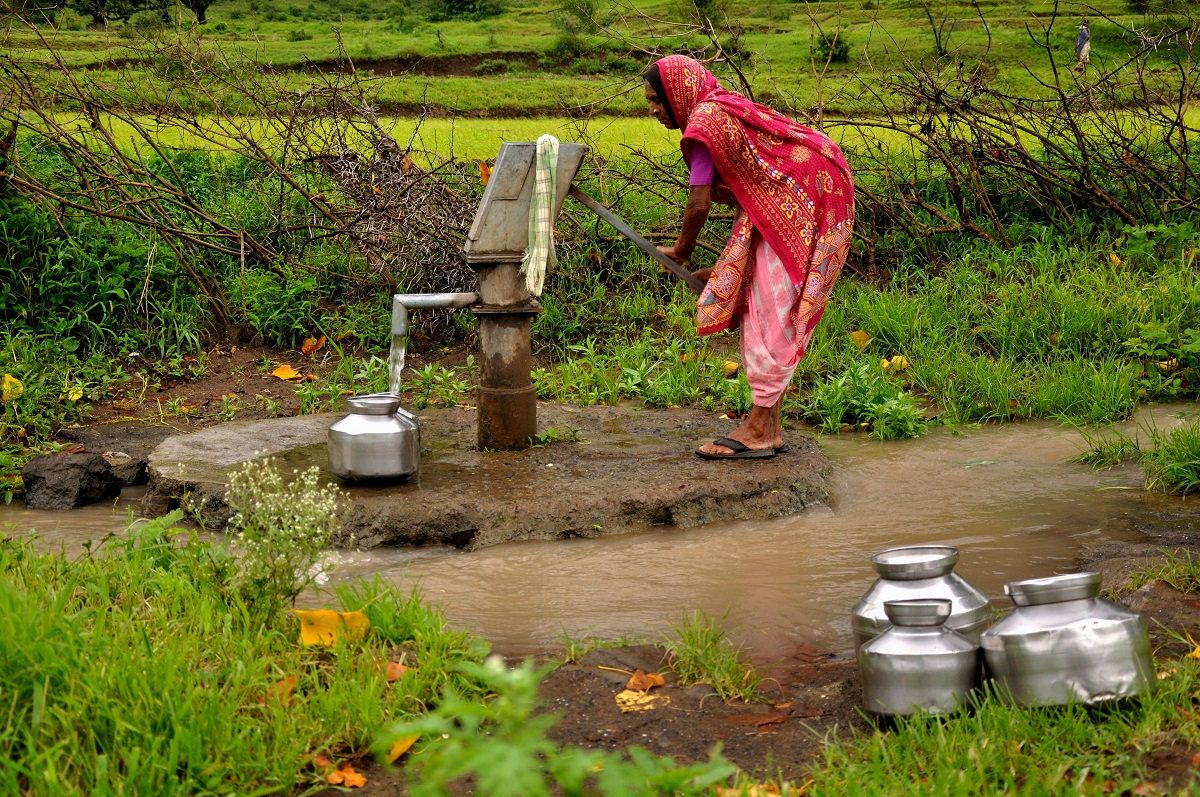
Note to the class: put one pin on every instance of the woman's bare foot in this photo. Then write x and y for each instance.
(759, 432)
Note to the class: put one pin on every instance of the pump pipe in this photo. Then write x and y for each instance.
(403, 302)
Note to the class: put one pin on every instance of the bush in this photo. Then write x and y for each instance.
(832, 48)
(299, 35)
(442, 10)
(281, 529)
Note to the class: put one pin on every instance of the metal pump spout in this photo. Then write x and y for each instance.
(403, 302)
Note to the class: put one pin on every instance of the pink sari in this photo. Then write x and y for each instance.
(797, 198)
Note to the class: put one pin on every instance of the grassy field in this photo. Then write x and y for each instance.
(545, 70)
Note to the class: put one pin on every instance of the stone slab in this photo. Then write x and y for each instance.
(631, 469)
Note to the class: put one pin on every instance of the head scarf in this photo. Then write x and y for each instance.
(791, 181)
(654, 78)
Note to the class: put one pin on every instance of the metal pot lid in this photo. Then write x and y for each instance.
(1056, 589)
(374, 404)
(918, 612)
(915, 562)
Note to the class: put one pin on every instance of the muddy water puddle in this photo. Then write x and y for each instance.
(1004, 495)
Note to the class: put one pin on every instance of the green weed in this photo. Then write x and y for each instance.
(702, 653)
(866, 398)
(503, 745)
(280, 527)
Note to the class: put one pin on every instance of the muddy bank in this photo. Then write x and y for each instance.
(614, 470)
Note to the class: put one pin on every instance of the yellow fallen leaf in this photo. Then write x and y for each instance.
(395, 670)
(860, 338)
(286, 372)
(13, 388)
(325, 626)
(346, 776)
(1112, 258)
(312, 345)
(400, 747)
(730, 367)
(1166, 366)
(74, 394)
(895, 365)
(631, 700)
(642, 681)
(485, 172)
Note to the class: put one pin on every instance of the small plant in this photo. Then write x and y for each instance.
(1173, 460)
(449, 389)
(701, 653)
(230, 404)
(280, 530)
(567, 434)
(503, 744)
(271, 405)
(1105, 451)
(1180, 570)
(866, 399)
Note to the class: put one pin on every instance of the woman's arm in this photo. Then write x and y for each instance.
(694, 215)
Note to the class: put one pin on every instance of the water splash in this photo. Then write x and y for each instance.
(396, 362)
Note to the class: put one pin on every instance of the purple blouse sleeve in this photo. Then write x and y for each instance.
(702, 166)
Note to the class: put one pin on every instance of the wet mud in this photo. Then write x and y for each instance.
(612, 470)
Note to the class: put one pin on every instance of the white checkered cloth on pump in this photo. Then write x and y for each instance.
(539, 255)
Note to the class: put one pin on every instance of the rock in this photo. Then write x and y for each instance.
(130, 470)
(65, 481)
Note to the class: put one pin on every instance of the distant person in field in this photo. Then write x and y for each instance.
(1083, 47)
(795, 200)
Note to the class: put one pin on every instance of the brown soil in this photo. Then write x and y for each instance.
(812, 694)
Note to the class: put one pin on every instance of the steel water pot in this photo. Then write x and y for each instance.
(918, 664)
(1063, 643)
(920, 571)
(377, 440)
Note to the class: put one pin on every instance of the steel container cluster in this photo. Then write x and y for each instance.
(926, 644)
(378, 440)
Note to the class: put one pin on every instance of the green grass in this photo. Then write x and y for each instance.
(999, 749)
(136, 669)
(701, 652)
(777, 41)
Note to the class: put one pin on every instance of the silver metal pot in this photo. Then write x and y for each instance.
(378, 440)
(918, 664)
(920, 571)
(1063, 643)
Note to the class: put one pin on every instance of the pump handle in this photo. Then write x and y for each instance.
(670, 265)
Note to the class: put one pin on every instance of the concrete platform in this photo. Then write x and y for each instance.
(633, 468)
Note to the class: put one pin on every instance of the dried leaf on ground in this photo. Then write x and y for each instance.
(281, 692)
(396, 670)
(400, 747)
(629, 700)
(753, 790)
(642, 681)
(730, 367)
(312, 345)
(286, 373)
(485, 172)
(322, 763)
(346, 776)
(326, 627)
(860, 338)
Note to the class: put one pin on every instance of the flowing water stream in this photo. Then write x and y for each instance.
(1004, 495)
